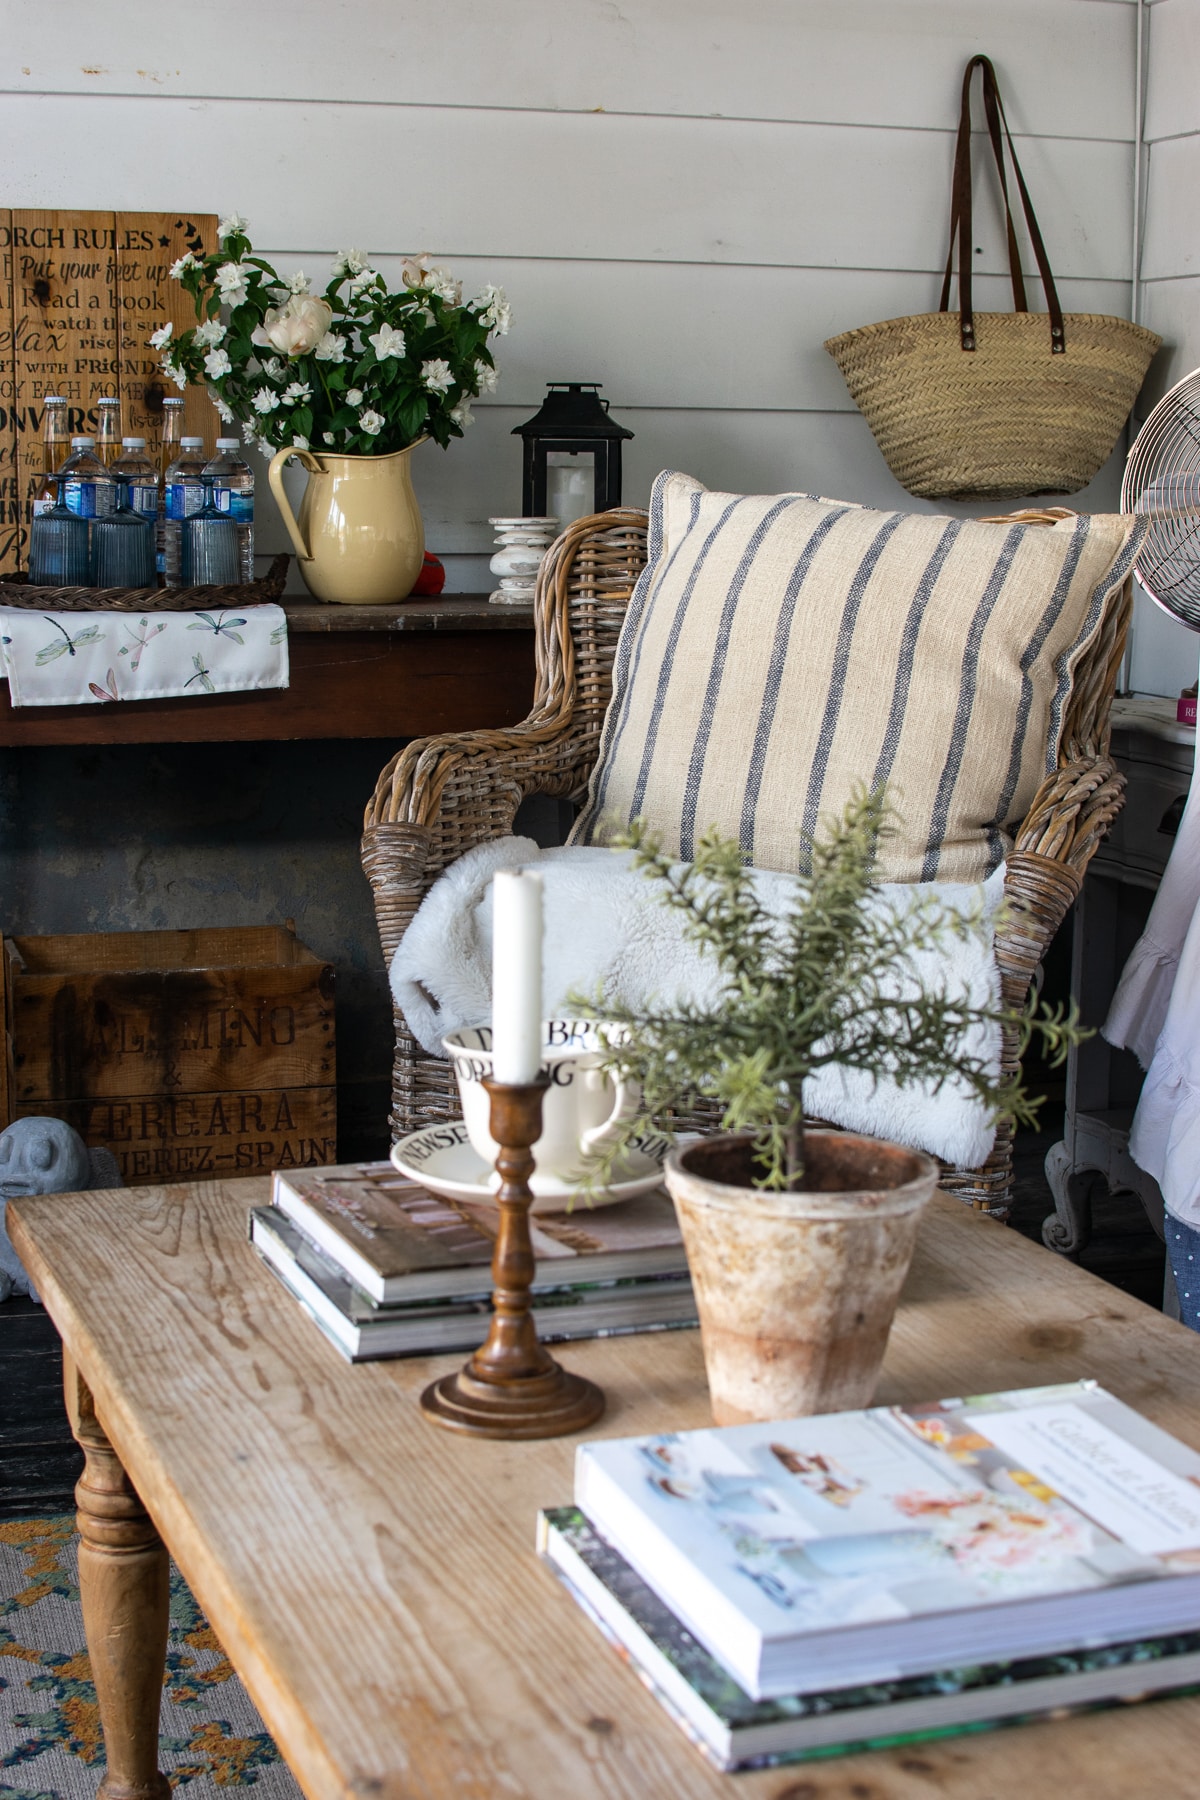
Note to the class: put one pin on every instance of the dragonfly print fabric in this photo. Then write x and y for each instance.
(96, 658)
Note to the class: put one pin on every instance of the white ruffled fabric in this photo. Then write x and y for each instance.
(1165, 1138)
(1155, 1012)
(1138, 1010)
(1139, 1007)
(604, 925)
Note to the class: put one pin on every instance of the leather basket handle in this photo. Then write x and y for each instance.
(960, 214)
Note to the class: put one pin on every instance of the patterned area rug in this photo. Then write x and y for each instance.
(51, 1747)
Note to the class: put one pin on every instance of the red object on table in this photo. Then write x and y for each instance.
(432, 578)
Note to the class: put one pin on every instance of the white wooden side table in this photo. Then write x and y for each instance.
(1156, 755)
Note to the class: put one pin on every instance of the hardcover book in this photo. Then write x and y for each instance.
(362, 1330)
(736, 1732)
(870, 1546)
(397, 1241)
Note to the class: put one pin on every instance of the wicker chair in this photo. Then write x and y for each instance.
(441, 795)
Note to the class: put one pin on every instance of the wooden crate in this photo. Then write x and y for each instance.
(184, 1052)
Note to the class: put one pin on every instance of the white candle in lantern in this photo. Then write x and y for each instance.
(516, 975)
(570, 485)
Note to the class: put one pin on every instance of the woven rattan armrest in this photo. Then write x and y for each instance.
(440, 796)
(447, 794)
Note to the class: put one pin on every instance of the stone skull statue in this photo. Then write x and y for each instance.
(43, 1156)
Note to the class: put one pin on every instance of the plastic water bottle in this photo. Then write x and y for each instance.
(233, 494)
(169, 447)
(184, 496)
(87, 487)
(137, 469)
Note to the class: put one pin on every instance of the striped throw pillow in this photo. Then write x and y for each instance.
(779, 649)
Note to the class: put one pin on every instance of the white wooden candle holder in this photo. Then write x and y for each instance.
(521, 545)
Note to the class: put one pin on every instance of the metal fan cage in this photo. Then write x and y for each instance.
(1162, 481)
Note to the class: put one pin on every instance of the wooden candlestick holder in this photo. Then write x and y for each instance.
(512, 1387)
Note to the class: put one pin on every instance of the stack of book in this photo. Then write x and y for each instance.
(810, 1586)
(386, 1268)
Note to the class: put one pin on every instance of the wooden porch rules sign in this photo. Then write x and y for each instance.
(80, 294)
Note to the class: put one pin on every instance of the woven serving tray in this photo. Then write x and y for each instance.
(15, 591)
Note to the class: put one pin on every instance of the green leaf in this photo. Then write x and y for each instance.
(411, 416)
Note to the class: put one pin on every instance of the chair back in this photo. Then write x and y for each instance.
(439, 796)
(583, 589)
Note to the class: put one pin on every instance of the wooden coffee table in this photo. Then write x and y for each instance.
(374, 1580)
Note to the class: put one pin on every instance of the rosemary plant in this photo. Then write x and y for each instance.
(835, 983)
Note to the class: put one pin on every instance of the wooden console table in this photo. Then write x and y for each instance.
(374, 1581)
(450, 664)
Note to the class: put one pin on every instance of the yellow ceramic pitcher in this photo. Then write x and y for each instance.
(359, 537)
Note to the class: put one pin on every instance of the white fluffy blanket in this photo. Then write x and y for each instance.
(604, 924)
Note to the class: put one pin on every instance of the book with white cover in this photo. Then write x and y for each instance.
(869, 1546)
(736, 1732)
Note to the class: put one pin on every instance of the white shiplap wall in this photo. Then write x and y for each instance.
(1165, 654)
(683, 197)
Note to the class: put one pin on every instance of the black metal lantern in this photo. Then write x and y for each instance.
(572, 454)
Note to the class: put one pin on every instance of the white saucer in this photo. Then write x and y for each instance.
(442, 1159)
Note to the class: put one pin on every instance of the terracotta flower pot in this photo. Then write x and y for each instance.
(796, 1292)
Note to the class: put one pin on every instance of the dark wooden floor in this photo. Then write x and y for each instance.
(39, 1462)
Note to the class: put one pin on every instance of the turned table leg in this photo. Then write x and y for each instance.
(124, 1587)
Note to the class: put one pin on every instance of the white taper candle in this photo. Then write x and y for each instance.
(516, 975)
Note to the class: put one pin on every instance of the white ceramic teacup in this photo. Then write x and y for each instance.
(583, 1108)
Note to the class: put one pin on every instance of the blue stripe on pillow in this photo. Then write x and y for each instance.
(908, 651)
(966, 700)
(712, 689)
(668, 661)
(841, 663)
(771, 687)
(1025, 704)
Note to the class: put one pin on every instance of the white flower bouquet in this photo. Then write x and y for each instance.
(358, 371)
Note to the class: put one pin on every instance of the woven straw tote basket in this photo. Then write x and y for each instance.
(989, 405)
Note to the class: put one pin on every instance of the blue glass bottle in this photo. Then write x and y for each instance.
(123, 546)
(210, 550)
(58, 548)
